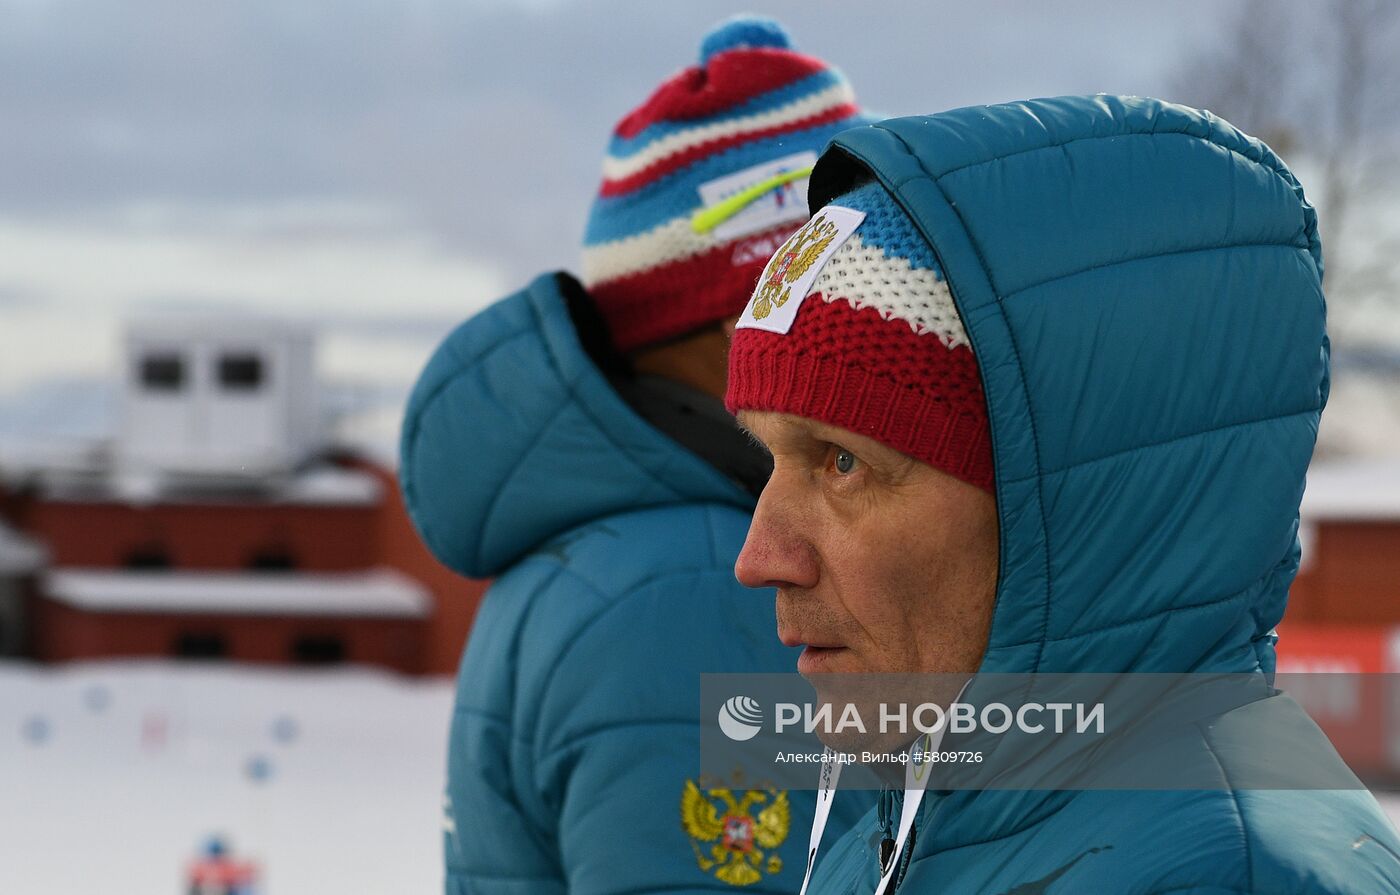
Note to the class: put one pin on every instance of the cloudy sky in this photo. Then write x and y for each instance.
(385, 168)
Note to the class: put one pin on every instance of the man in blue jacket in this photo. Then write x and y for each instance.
(573, 444)
(1041, 382)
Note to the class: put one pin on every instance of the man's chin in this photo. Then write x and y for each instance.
(849, 708)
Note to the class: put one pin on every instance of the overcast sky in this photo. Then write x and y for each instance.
(388, 167)
(479, 124)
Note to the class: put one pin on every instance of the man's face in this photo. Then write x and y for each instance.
(882, 563)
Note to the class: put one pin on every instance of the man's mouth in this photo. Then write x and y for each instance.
(819, 651)
(818, 659)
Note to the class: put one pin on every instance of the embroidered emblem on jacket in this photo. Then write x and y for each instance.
(739, 841)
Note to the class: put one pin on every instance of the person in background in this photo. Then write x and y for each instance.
(1040, 395)
(571, 442)
(217, 872)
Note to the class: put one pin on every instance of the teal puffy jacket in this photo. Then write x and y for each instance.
(575, 733)
(1141, 284)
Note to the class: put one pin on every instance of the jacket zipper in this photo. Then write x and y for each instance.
(884, 816)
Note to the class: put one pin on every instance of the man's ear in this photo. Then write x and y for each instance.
(729, 326)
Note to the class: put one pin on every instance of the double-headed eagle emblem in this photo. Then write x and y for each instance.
(739, 838)
(789, 263)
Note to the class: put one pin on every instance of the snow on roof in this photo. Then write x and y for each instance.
(1359, 489)
(18, 554)
(331, 485)
(322, 485)
(377, 593)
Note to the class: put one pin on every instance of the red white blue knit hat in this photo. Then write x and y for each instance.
(853, 324)
(705, 179)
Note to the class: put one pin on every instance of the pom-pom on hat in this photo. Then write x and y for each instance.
(874, 344)
(706, 178)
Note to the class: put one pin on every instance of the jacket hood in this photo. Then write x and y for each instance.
(514, 436)
(1141, 285)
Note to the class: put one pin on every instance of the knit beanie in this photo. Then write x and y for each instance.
(705, 179)
(852, 324)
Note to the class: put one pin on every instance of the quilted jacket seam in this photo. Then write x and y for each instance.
(1223, 247)
(1168, 441)
(1153, 134)
(507, 479)
(618, 725)
(1046, 818)
(1234, 801)
(1171, 610)
(710, 531)
(415, 428)
(556, 571)
(478, 712)
(608, 597)
(463, 870)
(518, 739)
(603, 611)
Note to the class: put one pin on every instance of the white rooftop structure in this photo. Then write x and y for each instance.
(1361, 490)
(218, 395)
(379, 593)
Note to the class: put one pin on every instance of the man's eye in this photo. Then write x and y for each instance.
(845, 461)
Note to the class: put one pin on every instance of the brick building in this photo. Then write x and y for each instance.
(219, 524)
(1350, 573)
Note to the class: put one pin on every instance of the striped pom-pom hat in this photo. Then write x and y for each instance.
(703, 181)
(852, 324)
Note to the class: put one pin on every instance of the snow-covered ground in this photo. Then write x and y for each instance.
(112, 775)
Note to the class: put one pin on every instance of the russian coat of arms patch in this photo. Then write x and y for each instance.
(795, 267)
(790, 263)
(730, 841)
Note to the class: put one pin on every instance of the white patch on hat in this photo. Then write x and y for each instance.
(780, 205)
(794, 268)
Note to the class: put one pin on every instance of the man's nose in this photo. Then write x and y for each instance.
(776, 553)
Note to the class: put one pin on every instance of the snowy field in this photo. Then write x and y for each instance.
(112, 775)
